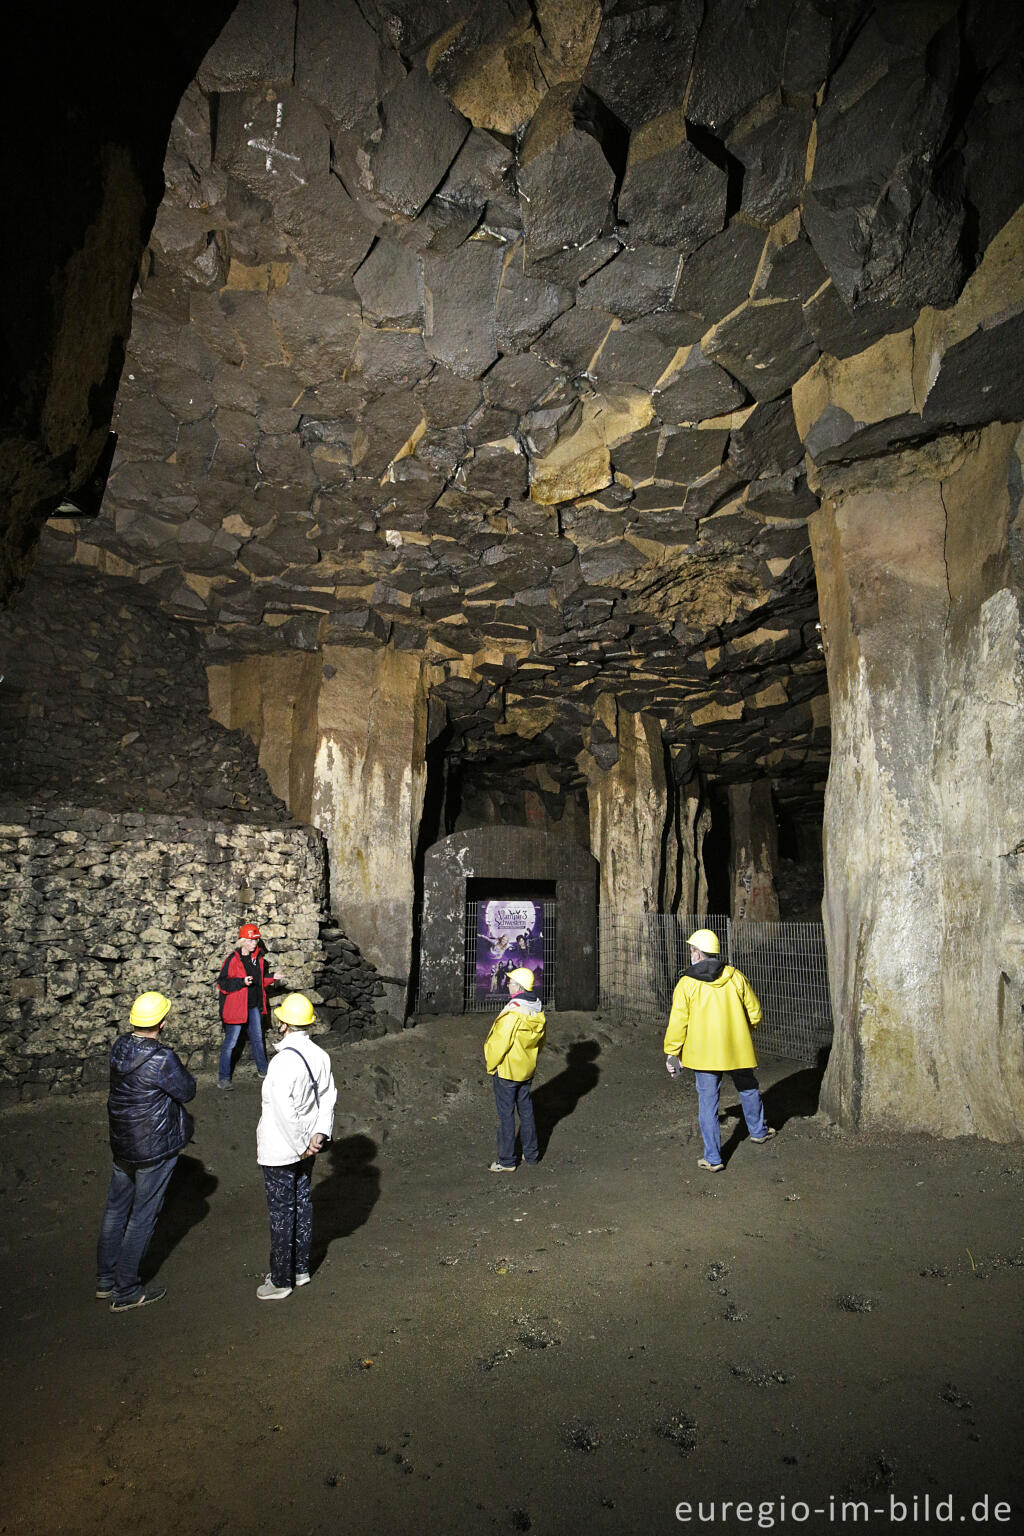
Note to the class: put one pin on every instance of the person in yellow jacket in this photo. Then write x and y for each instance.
(714, 1009)
(510, 1051)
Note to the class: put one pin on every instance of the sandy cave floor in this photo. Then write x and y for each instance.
(575, 1348)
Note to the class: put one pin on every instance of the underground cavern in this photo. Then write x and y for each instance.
(565, 455)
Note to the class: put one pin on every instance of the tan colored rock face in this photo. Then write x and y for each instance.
(342, 738)
(922, 907)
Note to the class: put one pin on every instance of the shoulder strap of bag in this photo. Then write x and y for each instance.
(308, 1068)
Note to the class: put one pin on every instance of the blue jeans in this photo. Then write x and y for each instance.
(708, 1085)
(133, 1204)
(232, 1034)
(290, 1208)
(509, 1097)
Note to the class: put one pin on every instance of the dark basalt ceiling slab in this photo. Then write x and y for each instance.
(472, 328)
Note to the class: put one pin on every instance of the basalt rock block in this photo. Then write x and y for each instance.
(841, 331)
(341, 64)
(881, 224)
(385, 357)
(272, 142)
(318, 330)
(634, 459)
(764, 344)
(783, 496)
(575, 339)
(459, 294)
(767, 442)
(688, 455)
(608, 564)
(481, 179)
(517, 382)
(632, 354)
(573, 264)
(495, 471)
(566, 178)
(407, 155)
(699, 389)
(445, 400)
(967, 360)
(326, 231)
(526, 306)
(789, 267)
(956, 368)
(388, 283)
(995, 180)
(636, 281)
(718, 277)
(672, 193)
(256, 45)
(580, 462)
(738, 60)
(488, 66)
(641, 59)
(771, 145)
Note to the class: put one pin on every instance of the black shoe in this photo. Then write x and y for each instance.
(156, 1294)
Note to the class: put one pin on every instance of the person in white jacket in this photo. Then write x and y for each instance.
(298, 1116)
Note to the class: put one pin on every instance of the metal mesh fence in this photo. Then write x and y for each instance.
(489, 1002)
(641, 957)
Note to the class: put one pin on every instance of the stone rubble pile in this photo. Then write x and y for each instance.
(347, 983)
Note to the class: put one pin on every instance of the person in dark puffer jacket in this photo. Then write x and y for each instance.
(149, 1126)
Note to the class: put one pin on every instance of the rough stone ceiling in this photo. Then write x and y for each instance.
(472, 327)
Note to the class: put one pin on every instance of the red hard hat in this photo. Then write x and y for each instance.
(248, 931)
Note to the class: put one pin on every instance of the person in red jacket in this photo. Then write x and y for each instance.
(243, 1001)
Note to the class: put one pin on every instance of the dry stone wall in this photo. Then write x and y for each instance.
(97, 907)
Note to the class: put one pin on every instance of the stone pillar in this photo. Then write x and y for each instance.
(918, 561)
(630, 825)
(686, 886)
(629, 809)
(342, 737)
(754, 853)
(369, 778)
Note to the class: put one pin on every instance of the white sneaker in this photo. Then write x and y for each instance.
(301, 1278)
(268, 1291)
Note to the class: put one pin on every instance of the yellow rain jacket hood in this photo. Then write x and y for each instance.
(710, 1023)
(514, 1043)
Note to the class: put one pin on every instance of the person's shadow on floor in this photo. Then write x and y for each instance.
(796, 1097)
(345, 1194)
(556, 1099)
(186, 1204)
(792, 1098)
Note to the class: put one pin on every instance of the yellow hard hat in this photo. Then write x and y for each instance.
(705, 941)
(148, 1009)
(523, 977)
(296, 1011)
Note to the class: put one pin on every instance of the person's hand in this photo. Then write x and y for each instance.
(248, 981)
(673, 1066)
(316, 1143)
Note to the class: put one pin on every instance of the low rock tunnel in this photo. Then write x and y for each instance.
(596, 420)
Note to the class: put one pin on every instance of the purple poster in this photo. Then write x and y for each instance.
(509, 934)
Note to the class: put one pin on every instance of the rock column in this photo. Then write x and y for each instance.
(630, 825)
(755, 853)
(918, 560)
(342, 736)
(369, 778)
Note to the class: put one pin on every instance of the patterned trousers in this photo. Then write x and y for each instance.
(290, 1207)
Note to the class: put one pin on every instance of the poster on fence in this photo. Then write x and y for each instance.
(509, 934)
